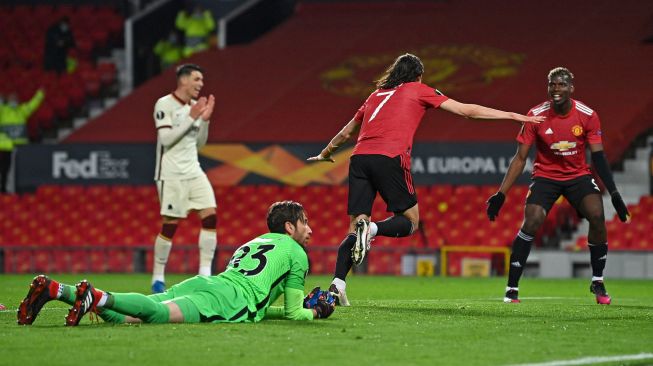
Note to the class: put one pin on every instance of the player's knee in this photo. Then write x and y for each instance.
(210, 222)
(531, 226)
(596, 219)
(168, 230)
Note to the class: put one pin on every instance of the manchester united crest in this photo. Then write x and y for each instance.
(451, 68)
(577, 130)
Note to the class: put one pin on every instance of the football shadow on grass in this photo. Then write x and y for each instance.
(507, 312)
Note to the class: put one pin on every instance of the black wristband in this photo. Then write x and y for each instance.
(603, 170)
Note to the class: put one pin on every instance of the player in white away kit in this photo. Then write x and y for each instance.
(182, 124)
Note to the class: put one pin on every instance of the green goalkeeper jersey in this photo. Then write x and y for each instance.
(264, 267)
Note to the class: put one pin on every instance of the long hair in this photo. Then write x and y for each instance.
(405, 69)
(283, 211)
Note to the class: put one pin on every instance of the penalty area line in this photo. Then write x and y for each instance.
(592, 360)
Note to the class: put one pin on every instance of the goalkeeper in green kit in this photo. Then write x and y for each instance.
(258, 273)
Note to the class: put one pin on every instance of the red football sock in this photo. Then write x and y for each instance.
(53, 289)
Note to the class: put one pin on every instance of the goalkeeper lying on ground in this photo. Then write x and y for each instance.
(258, 273)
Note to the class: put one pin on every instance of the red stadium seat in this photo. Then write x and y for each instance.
(112, 220)
(107, 72)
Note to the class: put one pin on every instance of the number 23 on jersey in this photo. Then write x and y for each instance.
(253, 261)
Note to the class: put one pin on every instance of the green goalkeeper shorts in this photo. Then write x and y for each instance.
(208, 299)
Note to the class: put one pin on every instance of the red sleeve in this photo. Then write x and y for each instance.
(360, 113)
(527, 133)
(593, 127)
(430, 97)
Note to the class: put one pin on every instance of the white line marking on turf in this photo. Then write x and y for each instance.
(592, 360)
(478, 299)
(7, 310)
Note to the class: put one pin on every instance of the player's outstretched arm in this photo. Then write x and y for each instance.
(343, 136)
(292, 307)
(515, 169)
(476, 111)
(604, 172)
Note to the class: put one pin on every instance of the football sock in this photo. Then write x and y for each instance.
(521, 247)
(138, 306)
(207, 243)
(104, 296)
(395, 226)
(373, 229)
(344, 261)
(340, 284)
(162, 248)
(598, 257)
(62, 292)
(110, 316)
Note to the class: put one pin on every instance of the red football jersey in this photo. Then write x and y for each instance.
(561, 140)
(390, 118)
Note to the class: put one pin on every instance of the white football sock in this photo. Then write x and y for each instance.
(207, 242)
(340, 284)
(103, 299)
(373, 229)
(161, 252)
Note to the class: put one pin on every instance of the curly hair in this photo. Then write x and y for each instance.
(561, 72)
(281, 212)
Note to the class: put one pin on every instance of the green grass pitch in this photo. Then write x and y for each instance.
(393, 321)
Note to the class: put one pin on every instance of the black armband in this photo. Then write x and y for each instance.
(603, 170)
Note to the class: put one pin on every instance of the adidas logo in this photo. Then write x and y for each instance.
(87, 302)
(516, 264)
(549, 131)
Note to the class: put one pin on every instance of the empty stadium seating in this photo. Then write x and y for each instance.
(634, 236)
(487, 65)
(107, 225)
(22, 38)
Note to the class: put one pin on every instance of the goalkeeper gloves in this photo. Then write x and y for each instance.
(620, 206)
(494, 204)
(322, 302)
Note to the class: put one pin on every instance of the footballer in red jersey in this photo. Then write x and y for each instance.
(386, 124)
(561, 169)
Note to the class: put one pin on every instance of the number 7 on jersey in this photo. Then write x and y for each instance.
(388, 94)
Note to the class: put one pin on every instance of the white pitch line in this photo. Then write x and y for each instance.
(592, 360)
(7, 310)
(479, 299)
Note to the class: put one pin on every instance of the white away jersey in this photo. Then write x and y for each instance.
(178, 161)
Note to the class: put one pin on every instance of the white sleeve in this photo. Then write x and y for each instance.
(203, 134)
(167, 133)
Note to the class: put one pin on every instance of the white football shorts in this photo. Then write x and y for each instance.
(178, 197)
